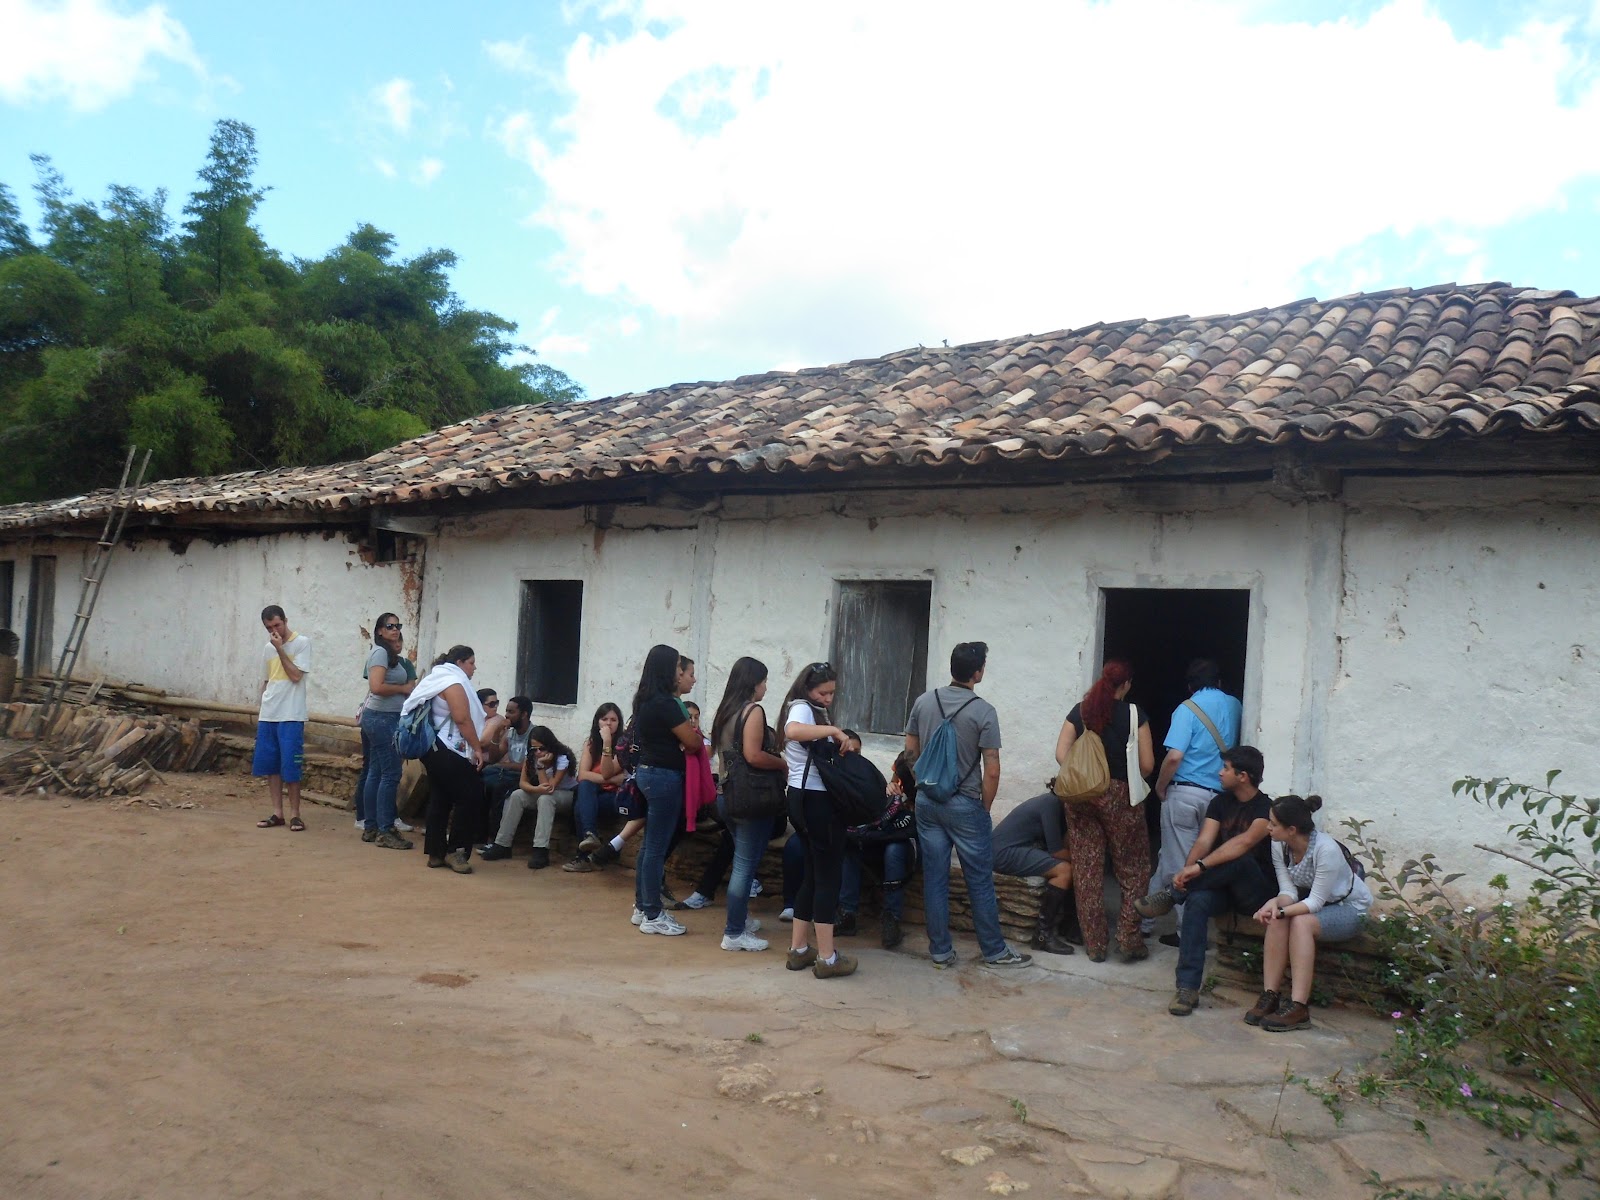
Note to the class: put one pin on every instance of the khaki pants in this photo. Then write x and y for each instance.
(545, 808)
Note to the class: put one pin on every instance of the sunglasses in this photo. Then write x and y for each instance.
(391, 625)
(491, 704)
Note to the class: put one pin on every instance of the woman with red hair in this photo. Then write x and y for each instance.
(1110, 820)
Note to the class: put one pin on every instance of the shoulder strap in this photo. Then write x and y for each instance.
(1206, 721)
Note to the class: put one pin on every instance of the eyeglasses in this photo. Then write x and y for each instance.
(392, 625)
(491, 704)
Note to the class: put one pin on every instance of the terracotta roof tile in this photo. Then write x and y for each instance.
(1410, 366)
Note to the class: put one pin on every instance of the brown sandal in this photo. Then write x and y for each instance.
(271, 822)
(296, 825)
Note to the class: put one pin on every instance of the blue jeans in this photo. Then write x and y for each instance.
(1239, 886)
(360, 798)
(749, 844)
(382, 779)
(898, 858)
(663, 793)
(962, 824)
(591, 801)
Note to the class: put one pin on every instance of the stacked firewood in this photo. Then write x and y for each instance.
(94, 751)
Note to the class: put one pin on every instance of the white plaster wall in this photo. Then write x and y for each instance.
(1469, 642)
(191, 623)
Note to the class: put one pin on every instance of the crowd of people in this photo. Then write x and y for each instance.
(1224, 845)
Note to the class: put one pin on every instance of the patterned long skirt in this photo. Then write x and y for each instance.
(1092, 827)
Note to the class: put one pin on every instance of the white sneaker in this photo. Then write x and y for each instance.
(638, 915)
(401, 827)
(786, 915)
(664, 925)
(696, 900)
(751, 925)
(360, 824)
(755, 887)
(745, 941)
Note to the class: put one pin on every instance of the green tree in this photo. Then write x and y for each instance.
(221, 236)
(14, 237)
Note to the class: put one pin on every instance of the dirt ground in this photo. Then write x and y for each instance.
(197, 1008)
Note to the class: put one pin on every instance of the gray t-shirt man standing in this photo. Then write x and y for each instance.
(961, 823)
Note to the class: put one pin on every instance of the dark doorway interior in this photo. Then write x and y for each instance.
(39, 650)
(1159, 630)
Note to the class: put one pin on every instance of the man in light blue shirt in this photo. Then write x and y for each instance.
(1191, 773)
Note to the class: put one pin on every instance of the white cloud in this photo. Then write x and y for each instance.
(398, 101)
(562, 345)
(874, 176)
(427, 171)
(515, 56)
(86, 52)
(385, 167)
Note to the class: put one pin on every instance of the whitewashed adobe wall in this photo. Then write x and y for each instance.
(1399, 637)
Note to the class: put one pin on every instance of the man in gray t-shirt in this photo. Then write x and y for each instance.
(962, 822)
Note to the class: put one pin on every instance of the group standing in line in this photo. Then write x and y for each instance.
(1225, 845)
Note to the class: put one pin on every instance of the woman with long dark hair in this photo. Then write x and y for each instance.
(455, 789)
(390, 679)
(599, 777)
(816, 906)
(665, 733)
(1109, 821)
(1320, 898)
(740, 728)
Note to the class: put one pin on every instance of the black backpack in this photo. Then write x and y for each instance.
(859, 792)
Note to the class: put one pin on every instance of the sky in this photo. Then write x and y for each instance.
(669, 190)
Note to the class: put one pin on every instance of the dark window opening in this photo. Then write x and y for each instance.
(548, 636)
(880, 651)
(8, 583)
(391, 547)
(1159, 630)
(39, 649)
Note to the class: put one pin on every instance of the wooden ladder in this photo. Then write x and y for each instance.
(116, 518)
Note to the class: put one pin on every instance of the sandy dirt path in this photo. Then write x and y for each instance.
(197, 1008)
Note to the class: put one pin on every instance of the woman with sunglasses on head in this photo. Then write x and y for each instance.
(822, 836)
(390, 679)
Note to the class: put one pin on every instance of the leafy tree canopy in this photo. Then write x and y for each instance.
(204, 344)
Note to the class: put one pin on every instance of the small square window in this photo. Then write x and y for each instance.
(549, 633)
(880, 650)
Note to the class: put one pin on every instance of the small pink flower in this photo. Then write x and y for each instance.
(1466, 1090)
(1397, 1015)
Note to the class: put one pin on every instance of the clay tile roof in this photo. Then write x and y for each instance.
(1408, 365)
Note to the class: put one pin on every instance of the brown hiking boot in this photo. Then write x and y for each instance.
(1292, 1016)
(841, 966)
(1184, 1002)
(1265, 1007)
(459, 862)
(390, 840)
(799, 960)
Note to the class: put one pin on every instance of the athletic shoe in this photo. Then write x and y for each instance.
(1009, 959)
(494, 852)
(664, 925)
(944, 964)
(668, 900)
(402, 827)
(745, 941)
(1184, 1001)
(786, 915)
(369, 834)
(460, 862)
(1157, 904)
(696, 900)
(755, 887)
(841, 966)
(580, 865)
(799, 960)
(390, 840)
(751, 925)
(638, 915)
(605, 854)
(590, 843)
(845, 926)
(538, 858)
(360, 824)
(1169, 939)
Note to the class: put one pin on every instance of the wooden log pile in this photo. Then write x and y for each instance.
(96, 751)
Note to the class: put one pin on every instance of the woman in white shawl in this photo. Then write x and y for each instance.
(455, 789)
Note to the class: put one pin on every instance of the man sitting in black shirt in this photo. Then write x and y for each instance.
(1228, 869)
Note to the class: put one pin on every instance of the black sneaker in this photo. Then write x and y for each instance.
(845, 926)
(538, 858)
(493, 852)
(1168, 939)
(604, 855)
(1010, 959)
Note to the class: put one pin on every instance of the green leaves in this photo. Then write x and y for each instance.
(208, 346)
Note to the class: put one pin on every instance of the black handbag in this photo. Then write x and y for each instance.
(750, 793)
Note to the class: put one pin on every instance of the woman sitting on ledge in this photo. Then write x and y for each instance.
(1320, 898)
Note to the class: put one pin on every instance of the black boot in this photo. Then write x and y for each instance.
(1069, 927)
(1045, 937)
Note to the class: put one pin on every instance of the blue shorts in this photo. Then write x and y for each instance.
(280, 749)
